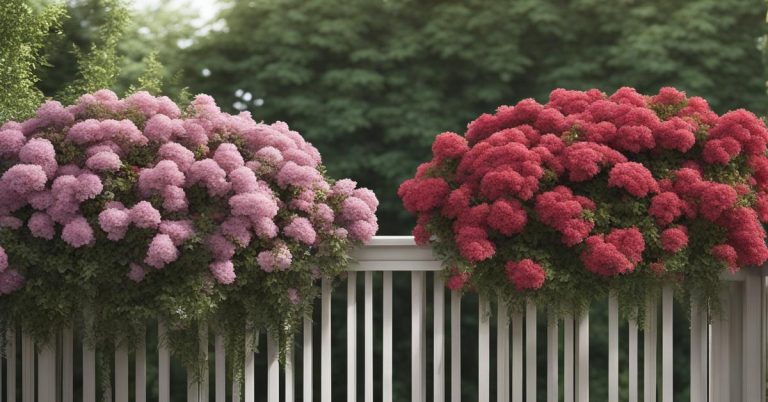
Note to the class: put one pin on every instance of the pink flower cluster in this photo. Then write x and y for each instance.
(258, 185)
(589, 157)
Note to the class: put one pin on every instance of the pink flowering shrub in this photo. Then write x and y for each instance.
(586, 192)
(137, 205)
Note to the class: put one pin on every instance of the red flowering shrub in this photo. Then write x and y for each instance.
(588, 187)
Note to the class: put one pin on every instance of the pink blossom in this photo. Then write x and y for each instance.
(183, 157)
(178, 231)
(301, 230)
(237, 228)
(165, 173)
(211, 175)
(221, 248)
(174, 199)
(3, 259)
(104, 161)
(11, 142)
(161, 251)
(293, 296)
(136, 273)
(41, 225)
(10, 281)
(161, 128)
(114, 222)
(77, 233)
(292, 174)
(265, 228)
(228, 157)
(344, 187)
(254, 205)
(223, 271)
(243, 180)
(10, 222)
(23, 179)
(144, 215)
(88, 186)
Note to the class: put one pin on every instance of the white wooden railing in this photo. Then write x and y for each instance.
(727, 355)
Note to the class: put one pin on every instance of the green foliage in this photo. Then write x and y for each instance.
(371, 82)
(24, 32)
(99, 68)
(151, 80)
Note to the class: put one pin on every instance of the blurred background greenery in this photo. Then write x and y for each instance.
(371, 82)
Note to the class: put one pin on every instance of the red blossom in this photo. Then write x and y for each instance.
(674, 239)
(525, 274)
(629, 242)
(457, 280)
(604, 259)
(449, 146)
(421, 195)
(634, 178)
(508, 217)
(666, 207)
(715, 199)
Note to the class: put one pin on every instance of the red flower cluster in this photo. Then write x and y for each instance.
(588, 167)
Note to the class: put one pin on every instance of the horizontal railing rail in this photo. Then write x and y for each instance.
(727, 351)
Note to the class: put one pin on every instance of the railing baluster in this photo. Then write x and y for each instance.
(553, 354)
(249, 368)
(417, 327)
(27, 368)
(46, 372)
(10, 356)
(121, 373)
(568, 389)
(697, 342)
(649, 351)
(220, 367)
(352, 337)
(613, 349)
(273, 369)
(753, 368)
(203, 347)
(386, 326)
(67, 365)
(140, 369)
(517, 357)
(633, 372)
(530, 351)
(89, 373)
(289, 375)
(163, 364)
(666, 344)
(325, 342)
(583, 357)
(439, 346)
(502, 353)
(455, 346)
(369, 337)
(720, 350)
(306, 366)
(483, 349)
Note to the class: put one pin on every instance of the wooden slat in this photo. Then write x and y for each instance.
(163, 364)
(27, 368)
(193, 388)
(697, 342)
(666, 344)
(455, 346)
(368, 337)
(386, 326)
(553, 366)
(352, 337)
(306, 367)
(67, 365)
(204, 375)
(502, 352)
(121, 373)
(483, 350)
(220, 366)
(632, 371)
(568, 369)
(289, 375)
(530, 351)
(46, 372)
(417, 327)
(325, 342)
(140, 369)
(517, 357)
(249, 368)
(582, 375)
(10, 355)
(754, 317)
(438, 379)
(89, 374)
(273, 369)
(613, 349)
(649, 351)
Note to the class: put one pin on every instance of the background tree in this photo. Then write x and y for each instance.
(372, 82)
(24, 31)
